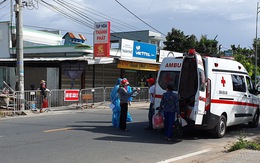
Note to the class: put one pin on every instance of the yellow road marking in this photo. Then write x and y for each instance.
(59, 129)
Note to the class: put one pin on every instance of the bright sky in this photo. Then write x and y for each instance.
(230, 21)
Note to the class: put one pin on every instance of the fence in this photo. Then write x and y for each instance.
(72, 98)
(32, 100)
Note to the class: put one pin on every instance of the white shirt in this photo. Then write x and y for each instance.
(152, 91)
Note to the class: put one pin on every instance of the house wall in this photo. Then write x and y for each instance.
(4, 39)
(34, 75)
(106, 76)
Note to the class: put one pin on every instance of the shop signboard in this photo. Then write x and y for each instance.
(144, 51)
(167, 53)
(138, 50)
(102, 39)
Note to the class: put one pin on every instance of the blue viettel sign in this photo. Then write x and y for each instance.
(144, 50)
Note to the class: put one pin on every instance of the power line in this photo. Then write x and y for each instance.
(139, 18)
(2, 2)
(67, 15)
(102, 15)
(76, 10)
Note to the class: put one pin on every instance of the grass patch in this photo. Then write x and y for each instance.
(242, 143)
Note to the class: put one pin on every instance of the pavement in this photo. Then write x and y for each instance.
(216, 155)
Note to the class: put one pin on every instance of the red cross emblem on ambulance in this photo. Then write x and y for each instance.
(223, 81)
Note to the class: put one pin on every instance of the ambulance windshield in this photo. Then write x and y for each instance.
(169, 77)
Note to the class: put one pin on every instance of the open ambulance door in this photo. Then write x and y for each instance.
(200, 97)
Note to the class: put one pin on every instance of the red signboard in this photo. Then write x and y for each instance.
(71, 95)
(101, 50)
(102, 39)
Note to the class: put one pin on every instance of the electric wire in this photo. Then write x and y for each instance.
(74, 10)
(77, 13)
(70, 7)
(2, 2)
(105, 16)
(63, 13)
(78, 10)
(139, 18)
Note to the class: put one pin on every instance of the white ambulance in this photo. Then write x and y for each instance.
(214, 93)
(168, 73)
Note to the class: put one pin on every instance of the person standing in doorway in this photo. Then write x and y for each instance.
(170, 106)
(151, 85)
(123, 96)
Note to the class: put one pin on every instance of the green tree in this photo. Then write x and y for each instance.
(206, 46)
(177, 41)
(246, 57)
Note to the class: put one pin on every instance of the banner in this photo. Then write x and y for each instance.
(71, 95)
(138, 66)
(102, 39)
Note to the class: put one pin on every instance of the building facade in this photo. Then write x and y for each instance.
(72, 65)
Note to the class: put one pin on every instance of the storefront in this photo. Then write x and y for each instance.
(138, 72)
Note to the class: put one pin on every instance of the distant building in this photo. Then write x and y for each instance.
(71, 39)
(141, 36)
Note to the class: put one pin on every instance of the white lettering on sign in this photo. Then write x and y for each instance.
(100, 32)
(71, 95)
(101, 37)
(104, 25)
(173, 65)
(143, 54)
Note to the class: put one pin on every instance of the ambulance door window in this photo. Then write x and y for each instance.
(202, 81)
(169, 77)
(249, 85)
(238, 83)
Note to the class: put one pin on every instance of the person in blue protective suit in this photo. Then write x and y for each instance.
(124, 95)
(115, 100)
(129, 90)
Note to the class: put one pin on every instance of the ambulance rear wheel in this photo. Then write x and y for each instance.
(221, 127)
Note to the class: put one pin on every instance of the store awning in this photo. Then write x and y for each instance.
(138, 65)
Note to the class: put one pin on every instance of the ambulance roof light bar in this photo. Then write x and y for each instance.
(191, 53)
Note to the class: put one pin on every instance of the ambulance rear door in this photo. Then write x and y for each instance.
(200, 97)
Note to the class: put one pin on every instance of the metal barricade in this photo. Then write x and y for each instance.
(143, 95)
(32, 100)
(107, 93)
(92, 96)
(57, 100)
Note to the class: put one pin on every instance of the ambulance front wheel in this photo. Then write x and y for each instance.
(255, 121)
(221, 127)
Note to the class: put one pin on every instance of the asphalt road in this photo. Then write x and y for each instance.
(87, 136)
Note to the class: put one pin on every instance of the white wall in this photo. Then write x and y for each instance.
(52, 78)
(4, 39)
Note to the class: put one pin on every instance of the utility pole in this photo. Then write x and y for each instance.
(19, 52)
(256, 40)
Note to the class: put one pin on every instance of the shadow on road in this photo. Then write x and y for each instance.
(137, 132)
